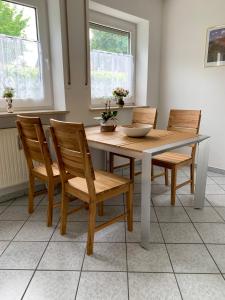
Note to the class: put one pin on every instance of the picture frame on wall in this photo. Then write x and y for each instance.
(215, 47)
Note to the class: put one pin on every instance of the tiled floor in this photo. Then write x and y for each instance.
(186, 259)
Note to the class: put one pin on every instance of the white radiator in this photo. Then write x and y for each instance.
(13, 167)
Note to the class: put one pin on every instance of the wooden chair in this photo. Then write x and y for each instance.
(90, 186)
(145, 115)
(40, 164)
(183, 121)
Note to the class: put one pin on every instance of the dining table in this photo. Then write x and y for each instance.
(143, 149)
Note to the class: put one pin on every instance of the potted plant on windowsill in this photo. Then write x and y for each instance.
(8, 95)
(119, 93)
(108, 119)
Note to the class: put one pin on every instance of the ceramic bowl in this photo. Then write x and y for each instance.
(136, 130)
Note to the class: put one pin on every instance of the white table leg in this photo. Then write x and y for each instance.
(201, 175)
(146, 200)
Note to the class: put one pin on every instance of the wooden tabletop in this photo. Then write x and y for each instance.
(154, 139)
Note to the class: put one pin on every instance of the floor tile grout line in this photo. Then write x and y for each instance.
(35, 206)
(6, 207)
(222, 186)
(179, 197)
(29, 216)
(5, 201)
(107, 271)
(208, 251)
(81, 270)
(35, 270)
(126, 250)
(213, 208)
(219, 214)
(121, 242)
(24, 222)
(125, 231)
(168, 254)
(213, 179)
(221, 273)
(207, 248)
(128, 289)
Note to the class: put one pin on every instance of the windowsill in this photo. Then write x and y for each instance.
(33, 112)
(91, 108)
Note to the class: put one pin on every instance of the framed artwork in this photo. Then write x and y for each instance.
(215, 47)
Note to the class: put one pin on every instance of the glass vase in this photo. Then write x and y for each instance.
(120, 101)
(9, 105)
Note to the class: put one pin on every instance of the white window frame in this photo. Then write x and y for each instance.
(43, 38)
(121, 25)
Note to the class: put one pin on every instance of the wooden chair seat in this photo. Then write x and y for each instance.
(104, 185)
(171, 158)
(42, 172)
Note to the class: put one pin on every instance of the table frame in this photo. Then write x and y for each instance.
(202, 142)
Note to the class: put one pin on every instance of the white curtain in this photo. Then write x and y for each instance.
(20, 67)
(109, 71)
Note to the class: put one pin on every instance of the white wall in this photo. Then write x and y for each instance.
(185, 83)
(78, 95)
(56, 43)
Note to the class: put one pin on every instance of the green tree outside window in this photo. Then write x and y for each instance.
(12, 21)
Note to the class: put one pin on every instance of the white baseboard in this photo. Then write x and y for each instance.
(16, 191)
(216, 170)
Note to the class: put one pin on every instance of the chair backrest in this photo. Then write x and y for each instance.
(72, 151)
(34, 142)
(184, 120)
(145, 115)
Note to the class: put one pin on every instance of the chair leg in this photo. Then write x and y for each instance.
(64, 208)
(111, 162)
(129, 204)
(132, 167)
(50, 202)
(31, 194)
(173, 185)
(111, 169)
(101, 209)
(152, 173)
(166, 177)
(91, 228)
(192, 173)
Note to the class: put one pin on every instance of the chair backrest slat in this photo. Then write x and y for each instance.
(34, 150)
(73, 162)
(72, 149)
(184, 120)
(34, 142)
(145, 115)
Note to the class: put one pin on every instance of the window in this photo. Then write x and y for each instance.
(24, 52)
(111, 59)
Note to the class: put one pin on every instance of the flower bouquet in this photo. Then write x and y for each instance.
(119, 93)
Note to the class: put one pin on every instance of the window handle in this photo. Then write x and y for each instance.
(86, 26)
